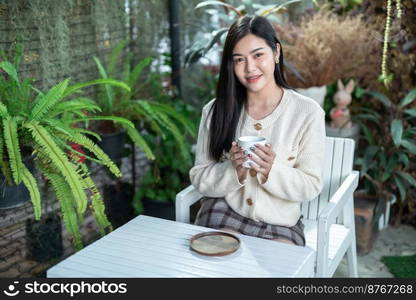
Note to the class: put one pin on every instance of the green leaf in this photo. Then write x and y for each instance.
(401, 186)
(118, 120)
(409, 146)
(359, 92)
(277, 8)
(408, 98)
(13, 148)
(31, 185)
(396, 131)
(108, 107)
(10, 70)
(3, 111)
(409, 178)
(411, 112)
(45, 103)
(404, 159)
(43, 138)
(380, 97)
(73, 88)
(65, 197)
(139, 141)
(135, 74)
(115, 54)
(368, 134)
(206, 3)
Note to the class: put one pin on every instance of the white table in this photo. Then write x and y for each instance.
(153, 247)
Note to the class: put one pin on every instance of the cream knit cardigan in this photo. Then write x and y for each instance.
(296, 131)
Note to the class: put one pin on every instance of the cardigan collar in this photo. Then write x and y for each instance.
(267, 121)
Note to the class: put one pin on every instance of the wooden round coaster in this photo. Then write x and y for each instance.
(214, 243)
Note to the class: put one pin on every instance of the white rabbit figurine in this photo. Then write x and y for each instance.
(340, 114)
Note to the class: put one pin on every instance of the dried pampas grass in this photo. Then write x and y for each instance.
(327, 47)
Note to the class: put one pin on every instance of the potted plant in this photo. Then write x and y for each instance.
(168, 174)
(144, 104)
(385, 160)
(43, 125)
(161, 117)
(325, 48)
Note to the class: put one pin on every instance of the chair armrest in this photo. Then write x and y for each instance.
(340, 198)
(184, 200)
(328, 216)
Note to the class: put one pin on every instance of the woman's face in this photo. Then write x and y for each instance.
(254, 63)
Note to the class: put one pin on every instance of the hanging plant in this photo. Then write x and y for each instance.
(385, 76)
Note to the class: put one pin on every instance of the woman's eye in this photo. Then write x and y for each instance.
(238, 60)
(258, 55)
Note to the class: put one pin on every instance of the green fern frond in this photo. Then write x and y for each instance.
(58, 125)
(65, 197)
(108, 104)
(139, 141)
(72, 153)
(48, 101)
(163, 108)
(119, 120)
(30, 183)
(10, 70)
(1, 146)
(74, 105)
(114, 56)
(93, 148)
(73, 88)
(97, 204)
(59, 159)
(127, 66)
(3, 111)
(174, 130)
(135, 74)
(13, 148)
(88, 132)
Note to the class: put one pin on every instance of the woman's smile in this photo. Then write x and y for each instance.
(253, 79)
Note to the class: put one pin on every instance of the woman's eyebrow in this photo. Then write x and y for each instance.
(252, 51)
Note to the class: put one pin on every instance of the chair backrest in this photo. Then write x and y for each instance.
(339, 156)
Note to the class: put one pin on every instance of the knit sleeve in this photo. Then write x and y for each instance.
(303, 180)
(210, 178)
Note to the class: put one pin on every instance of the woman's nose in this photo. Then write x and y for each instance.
(250, 65)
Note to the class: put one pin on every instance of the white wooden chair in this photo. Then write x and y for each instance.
(329, 218)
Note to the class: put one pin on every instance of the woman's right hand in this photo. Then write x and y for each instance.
(237, 158)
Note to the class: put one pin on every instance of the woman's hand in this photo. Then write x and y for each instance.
(237, 158)
(264, 160)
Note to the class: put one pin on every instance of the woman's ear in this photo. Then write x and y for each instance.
(277, 50)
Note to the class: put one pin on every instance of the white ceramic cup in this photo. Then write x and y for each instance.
(247, 142)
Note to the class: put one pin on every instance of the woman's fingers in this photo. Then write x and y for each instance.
(259, 161)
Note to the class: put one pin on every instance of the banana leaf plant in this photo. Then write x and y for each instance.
(387, 161)
(45, 125)
(158, 116)
(227, 14)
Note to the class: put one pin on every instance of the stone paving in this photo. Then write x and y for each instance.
(399, 240)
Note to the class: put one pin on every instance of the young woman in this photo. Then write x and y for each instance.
(254, 99)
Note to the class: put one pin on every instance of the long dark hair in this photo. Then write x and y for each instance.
(231, 94)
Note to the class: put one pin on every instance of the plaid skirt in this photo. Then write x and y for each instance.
(216, 213)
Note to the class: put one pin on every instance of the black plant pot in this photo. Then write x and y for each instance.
(12, 196)
(113, 145)
(118, 203)
(44, 238)
(154, 208)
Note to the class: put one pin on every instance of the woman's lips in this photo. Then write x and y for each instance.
(253, 79)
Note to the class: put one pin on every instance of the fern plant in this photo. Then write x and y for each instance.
(46, 124)
(158, 116)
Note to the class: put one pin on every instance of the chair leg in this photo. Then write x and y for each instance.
(352, 259)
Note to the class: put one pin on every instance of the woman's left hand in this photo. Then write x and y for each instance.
(265, 159)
